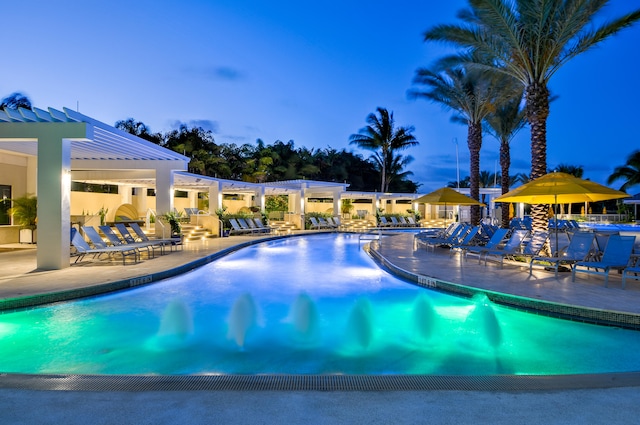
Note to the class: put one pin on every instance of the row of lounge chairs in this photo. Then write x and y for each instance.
(125, 245)
(253, 226)
(325, 223)
(586, 252)
(399, 221)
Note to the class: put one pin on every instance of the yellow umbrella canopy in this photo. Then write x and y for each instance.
(560, 188)
(446, 196)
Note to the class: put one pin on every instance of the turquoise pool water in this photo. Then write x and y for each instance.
(304, 305)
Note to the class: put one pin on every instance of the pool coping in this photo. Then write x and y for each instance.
(282, 382)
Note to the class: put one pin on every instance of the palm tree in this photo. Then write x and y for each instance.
(503, 124)
(472, 94)
(381, 137)
(531, 40)
(574, 170)
(630, 172)
(15, 100)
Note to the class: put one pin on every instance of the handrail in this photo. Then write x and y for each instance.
(157, 221)
(372, 236)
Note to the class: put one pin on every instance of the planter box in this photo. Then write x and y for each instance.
(28, 236)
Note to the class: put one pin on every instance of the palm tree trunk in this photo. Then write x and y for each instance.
(505, 164)
(537, 114)
(474, 140)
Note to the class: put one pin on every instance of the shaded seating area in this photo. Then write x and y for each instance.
(580, 247)
(617, 255)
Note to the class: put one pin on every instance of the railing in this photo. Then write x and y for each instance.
(598, 218)
(157, 221)
(370, 236)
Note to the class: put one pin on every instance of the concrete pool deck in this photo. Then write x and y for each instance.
(613, 405)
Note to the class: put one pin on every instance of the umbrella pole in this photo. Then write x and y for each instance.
(556, 216)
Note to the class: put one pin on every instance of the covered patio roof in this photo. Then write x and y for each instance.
(106, 144)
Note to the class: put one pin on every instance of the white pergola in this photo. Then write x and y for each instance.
(76, 147)
(65, 145)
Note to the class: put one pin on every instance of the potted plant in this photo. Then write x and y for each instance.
(346, 207)
(173, 218)
(25, 214)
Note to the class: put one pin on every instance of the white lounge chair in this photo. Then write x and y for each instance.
(129, 239)
(83, 249)
(142, 236)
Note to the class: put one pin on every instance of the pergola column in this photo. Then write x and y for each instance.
(260, 198)
(164, 190)
(193, 198)
(141, 200)
(54, 192)
(125, 194)
(215, 197)
(336, 202)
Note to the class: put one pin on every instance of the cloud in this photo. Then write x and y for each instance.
(207, 125)
(225, 73)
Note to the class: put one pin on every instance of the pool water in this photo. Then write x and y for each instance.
(305, 305)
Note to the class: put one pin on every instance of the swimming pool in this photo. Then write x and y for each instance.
(305, 305)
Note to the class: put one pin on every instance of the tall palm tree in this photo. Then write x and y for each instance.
(574, 170)
(531, 40)
(385, 140)
(503, 124)
(472, 95)
(629, 172)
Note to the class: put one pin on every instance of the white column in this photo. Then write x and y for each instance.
(193, 198)
(125, 194)
(215, 197)
(336, 203)
(141, 200)
(164, 191)
(260, 199)
(54, 193)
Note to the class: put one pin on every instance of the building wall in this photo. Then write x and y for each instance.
(13, 172)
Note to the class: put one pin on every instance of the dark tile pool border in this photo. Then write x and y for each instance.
(530, 305)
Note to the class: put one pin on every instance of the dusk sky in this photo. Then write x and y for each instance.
(310, 72)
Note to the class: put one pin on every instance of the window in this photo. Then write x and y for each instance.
(5, 204)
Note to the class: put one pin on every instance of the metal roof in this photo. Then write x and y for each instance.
(108, 143)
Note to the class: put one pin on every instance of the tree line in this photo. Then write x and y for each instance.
(280, 160)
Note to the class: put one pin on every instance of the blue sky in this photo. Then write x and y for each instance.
(304, 71)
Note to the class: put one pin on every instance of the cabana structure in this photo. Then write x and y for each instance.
(42, 151)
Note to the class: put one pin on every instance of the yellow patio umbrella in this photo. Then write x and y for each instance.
(554, 188)
(447, 196)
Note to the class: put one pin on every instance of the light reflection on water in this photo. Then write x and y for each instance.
(313, 304)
